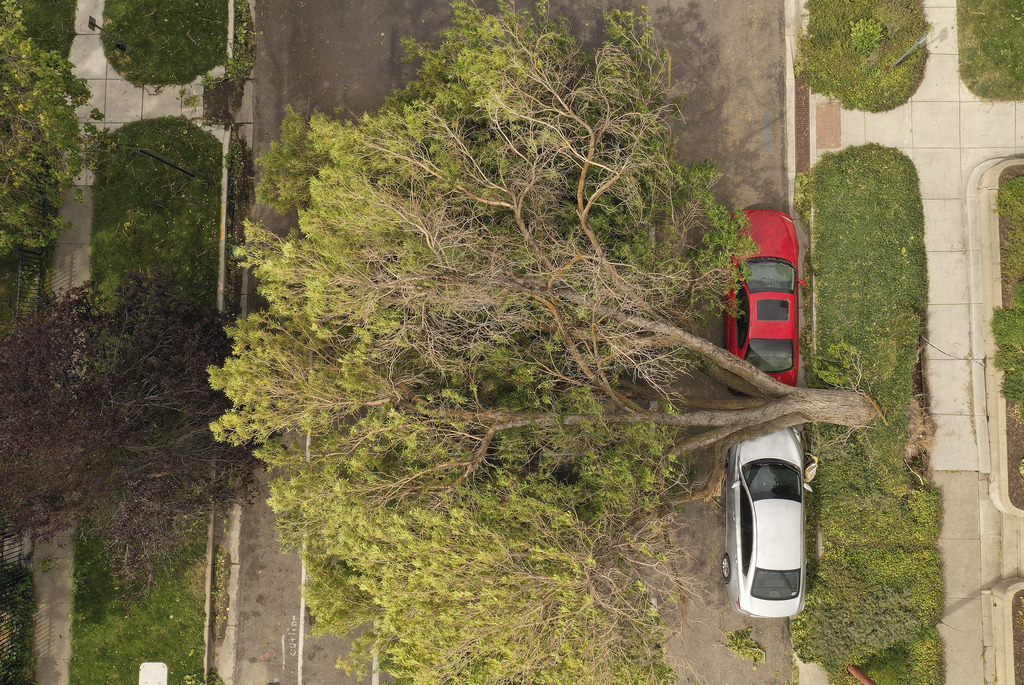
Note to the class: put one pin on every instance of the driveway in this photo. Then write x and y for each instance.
(728, 62)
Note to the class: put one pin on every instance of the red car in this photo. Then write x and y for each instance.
(764, 328)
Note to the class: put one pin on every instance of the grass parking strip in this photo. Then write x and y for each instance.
(169, 43)
(110, 640)
(51, 24)
(849, 47)
(876, 594)
(991, 36)
(147, 212)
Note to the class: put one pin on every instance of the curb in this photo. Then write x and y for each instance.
(209, 643)
(983, 185)
(1001, 596)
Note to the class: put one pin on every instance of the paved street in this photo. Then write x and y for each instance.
(268, 639)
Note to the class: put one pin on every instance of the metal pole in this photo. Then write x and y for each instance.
(120, 44)
(160, 158)
(915, 46)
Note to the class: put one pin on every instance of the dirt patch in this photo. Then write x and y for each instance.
(920, 436)
(1014, 425)
(221, 100)
(241, 199)
(1018, 638)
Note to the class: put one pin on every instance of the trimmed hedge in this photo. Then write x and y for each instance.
(875, 597)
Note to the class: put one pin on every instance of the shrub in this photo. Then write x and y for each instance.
(850, 45)
(865, 34)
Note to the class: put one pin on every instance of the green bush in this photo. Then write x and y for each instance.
(866, 34)
(885, 617)
(990, 34)
(146, 212)
(17, 608)
(849, 46)
(875, 595)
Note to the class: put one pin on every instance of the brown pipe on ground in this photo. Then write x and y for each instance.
(860, 675)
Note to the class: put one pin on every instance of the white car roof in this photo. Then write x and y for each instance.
(778, 532)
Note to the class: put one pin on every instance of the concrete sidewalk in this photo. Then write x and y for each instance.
(953, 138)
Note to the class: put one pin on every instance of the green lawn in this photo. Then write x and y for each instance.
(108, 643)
(849, 46)
(875, 597)
(169, 42)
(991, 37)
(51, 23)
(1008, 320)
(146, 212)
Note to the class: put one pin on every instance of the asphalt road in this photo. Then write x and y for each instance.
(346, 56)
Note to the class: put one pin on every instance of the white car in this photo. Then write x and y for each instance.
(764, 563)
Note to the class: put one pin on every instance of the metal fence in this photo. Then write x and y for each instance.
(31, 286)
(15, 608)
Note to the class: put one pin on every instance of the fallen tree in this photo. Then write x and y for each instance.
(499, 278)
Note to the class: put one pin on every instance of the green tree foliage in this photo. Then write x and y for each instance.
(289, 165)
(40, 139)
(479, 326)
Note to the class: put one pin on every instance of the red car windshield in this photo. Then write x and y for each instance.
(770, 274)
